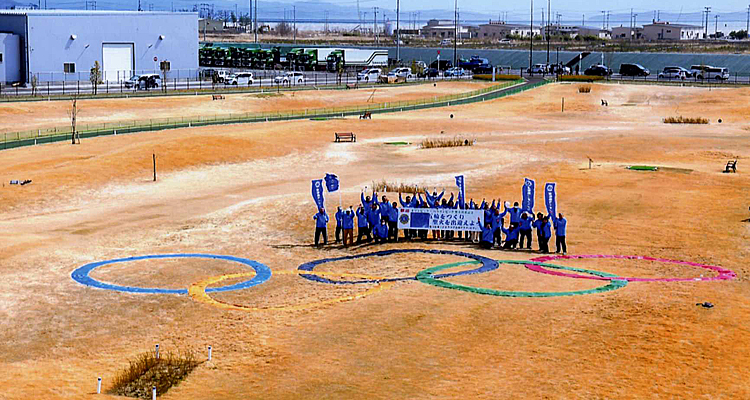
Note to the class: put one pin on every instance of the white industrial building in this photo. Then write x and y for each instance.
(667, 31)
(57, 45)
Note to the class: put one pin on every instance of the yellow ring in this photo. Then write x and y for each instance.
(197, 291)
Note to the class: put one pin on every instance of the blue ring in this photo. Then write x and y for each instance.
(487, 265)
(81, 275)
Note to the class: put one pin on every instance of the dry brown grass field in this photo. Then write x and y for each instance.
(244, 190)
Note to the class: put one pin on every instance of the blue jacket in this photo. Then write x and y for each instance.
(347, 220)
(362, 219)
(561, 226)
(526, 223)
(511, 234)
(339, 215)
(488, 235)
(515, 214)
(496, 221)
(385, 210)
(393, 214)
(547, 230)
(538, 226)
(381, 231)
(368, 204)
(373, 217)
(432, 200)
(411, 204)
(321, 220)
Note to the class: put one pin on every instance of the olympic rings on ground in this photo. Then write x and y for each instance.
(198, 291)
(427, 276)
(81, 275)
(487, 265)
(724, 274)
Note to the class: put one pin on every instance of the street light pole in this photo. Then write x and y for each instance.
(455, 36)
(398, 31)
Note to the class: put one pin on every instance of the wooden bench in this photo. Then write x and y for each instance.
(352, 85)
(366, 115)
(345, 136)
(731, 166)
(217, 97)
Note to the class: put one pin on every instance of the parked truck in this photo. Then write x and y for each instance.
(356, 58)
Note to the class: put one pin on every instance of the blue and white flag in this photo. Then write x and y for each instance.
(528, 192)
(550, 198)
(332, 183)
(461, 191)
(317, 193)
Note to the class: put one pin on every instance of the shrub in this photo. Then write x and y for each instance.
(584, 89)
(498, 77)
(457, 141)
(685, 120)
(146, 371)
(390, 187)
(581, 78)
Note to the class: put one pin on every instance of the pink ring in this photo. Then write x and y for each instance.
(724, 274)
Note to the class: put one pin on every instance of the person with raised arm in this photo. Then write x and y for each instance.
(362, 228)
(347, 223)
(321, 224)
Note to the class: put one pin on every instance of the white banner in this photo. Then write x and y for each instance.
(444, 219)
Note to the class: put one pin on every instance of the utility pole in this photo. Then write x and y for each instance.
(531, 37)
(375, 24)
(398, 31)
(294, 11)
(604, 16)
(139, 6)
(549, 13)
(716, 27)
(455, 36)
(583, 19)
(255, 24)
(708, 11)
(747, 29)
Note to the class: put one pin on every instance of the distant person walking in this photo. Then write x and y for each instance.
(321, 224)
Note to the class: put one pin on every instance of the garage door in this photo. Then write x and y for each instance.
(117, 61)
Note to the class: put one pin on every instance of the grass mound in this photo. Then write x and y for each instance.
(440, 143)
(580, 78)
(147, 371)
(398, 143)
(643, 168)
(685, 120)
(584, 89)
(390, 187)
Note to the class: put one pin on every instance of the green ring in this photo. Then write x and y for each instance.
(426, 277)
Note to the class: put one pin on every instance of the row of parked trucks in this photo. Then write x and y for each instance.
(301, 59)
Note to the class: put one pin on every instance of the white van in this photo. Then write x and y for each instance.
(370, 75)
(240, 79)
(720, 74)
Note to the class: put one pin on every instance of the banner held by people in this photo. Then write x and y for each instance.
(528, 192)
(441, 219)
(550, 197)
(461, 190)
(317, 193)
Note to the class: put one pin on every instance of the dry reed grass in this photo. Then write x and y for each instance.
(584, 89)
(390, 187)
(432, 143)
(685, 120)
(147, 371)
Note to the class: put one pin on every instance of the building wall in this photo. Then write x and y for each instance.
(672, 32)
(16, 24)
(51, 43)
(10, 65)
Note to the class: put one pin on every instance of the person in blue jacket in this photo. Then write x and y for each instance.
(537, 224)
(373, 217)
(561, 227)
(496, 220)
(434, 199)
(411, 202)
(525, 233)
(321, 223)
(381, 232)
(367, 201)
(347, 224)
(339, 214)
(487, 237)
(511, 237)
(515, 215)
(546, 234)
(362, 228)
(393, 222)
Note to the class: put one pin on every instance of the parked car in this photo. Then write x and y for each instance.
(537, 69)
(456, 71)
(222, 76)
(633, 70)
(717, 73)
(290, 78)
(445, 42)
(370, 75)
(559, 69)
(144, 82)
(429, 73)
(421, 64)
(402, 72)
(598, 70)
(132, 82)
(505, 41)
(242, 78)
(695, 70)
(442, 65)
(673, 73)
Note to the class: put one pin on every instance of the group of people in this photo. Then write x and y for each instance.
(377, 220)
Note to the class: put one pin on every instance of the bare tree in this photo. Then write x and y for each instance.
(95, 76)
(73, 113)
(34, 84)
(283, 28)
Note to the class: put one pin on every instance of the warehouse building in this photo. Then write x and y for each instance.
(62, 45)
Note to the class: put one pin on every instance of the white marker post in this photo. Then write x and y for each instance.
(153, 393)
(99, 385)
(157, 351)
(209, 353)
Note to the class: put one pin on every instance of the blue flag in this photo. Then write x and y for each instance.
(317, 193)
(461, 191)
(528, 192)
(332, 183)
(550, 198)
